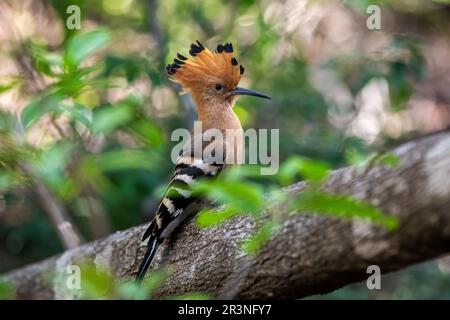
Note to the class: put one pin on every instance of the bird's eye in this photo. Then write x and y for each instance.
(218, 87)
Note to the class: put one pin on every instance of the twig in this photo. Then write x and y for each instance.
(66, 230)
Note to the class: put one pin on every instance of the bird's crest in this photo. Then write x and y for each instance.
(206, 65)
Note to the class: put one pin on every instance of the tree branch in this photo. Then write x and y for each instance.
(310, 254)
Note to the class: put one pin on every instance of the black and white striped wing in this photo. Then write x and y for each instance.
(178, 195)
(176, 199)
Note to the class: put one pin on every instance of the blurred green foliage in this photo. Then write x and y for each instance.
(6, 290)
(99, 283)
(65, 164)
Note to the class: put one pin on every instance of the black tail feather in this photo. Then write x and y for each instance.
(152, 246)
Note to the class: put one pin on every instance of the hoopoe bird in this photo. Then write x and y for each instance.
(211, 77)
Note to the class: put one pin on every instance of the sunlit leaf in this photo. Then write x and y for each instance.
(8, 86)
(38, 108)
(148, 132)
(46, 62)
(144, 290)
(244, 196)
(212, 217)
(354, 158)
(81, 46)
(57, 156)
(343, 206)
(313, 170)
(95, 283)
(78, 113)
(7, 121)
(6, 290)
(243, 171)
(191, 296)
(89, 97)
(389, 159)
(53, 160)
(70, 86)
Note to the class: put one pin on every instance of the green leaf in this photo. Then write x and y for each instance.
(81, 46)
(107, 119)
(46, 61)
(312, 170)
(51, 167)
(9, 85)
(90, 173)
(6, 121)
(7, 179)
(95, 284)
(343, 206)
(78, 113)
(242, 196)
(243, 171)
(191, 296)
(253, 244)
(57, 156)
(6, 290)
(212, 217)
(125, 159)
(131, 66)
(144, 290)
(52, 161)
(389, 159)
(38, 108)
(148, 132)
(355, 157)
(153, 282)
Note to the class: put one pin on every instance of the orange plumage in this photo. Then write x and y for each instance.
(206, 66)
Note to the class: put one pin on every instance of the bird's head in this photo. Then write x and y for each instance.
(211, 77)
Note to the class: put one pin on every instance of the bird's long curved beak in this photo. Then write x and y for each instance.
(248, 92)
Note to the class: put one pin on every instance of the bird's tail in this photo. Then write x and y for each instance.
(152, 246)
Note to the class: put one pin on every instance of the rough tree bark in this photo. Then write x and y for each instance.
(310, 254)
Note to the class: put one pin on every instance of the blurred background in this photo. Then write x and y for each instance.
(86, 115)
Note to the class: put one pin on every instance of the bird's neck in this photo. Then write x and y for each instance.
(223, 118)
(220, 117)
